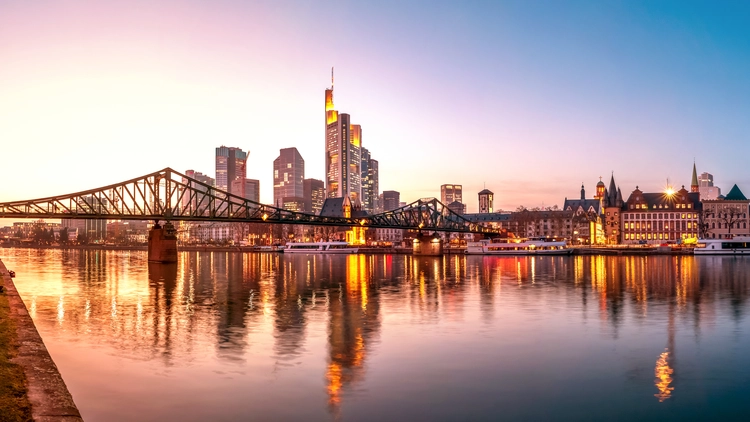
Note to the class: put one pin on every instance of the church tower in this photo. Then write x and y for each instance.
(694, 187)
(612, 205)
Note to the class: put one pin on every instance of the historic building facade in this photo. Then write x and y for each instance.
(726, 216)
(656, 218)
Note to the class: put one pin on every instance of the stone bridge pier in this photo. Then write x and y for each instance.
(162, 243)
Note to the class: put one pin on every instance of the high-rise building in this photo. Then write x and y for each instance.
(230, 167)
(485, 201)
(252, 190)
(373, 185)
(199, 201)
(343, 161)
(391, 200)
(314, 192)
(451, 193)
(288, 176)
(706, 187)
(369, 181)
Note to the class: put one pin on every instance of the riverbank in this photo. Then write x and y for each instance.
(31, 387)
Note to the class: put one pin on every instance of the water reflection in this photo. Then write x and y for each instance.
(222, 310)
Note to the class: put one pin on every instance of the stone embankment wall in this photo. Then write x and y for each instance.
(50, 399)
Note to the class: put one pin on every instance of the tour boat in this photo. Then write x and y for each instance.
(321, 247)
(738, 245)
(518, 246)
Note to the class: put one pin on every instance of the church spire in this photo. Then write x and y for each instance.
(694, 187)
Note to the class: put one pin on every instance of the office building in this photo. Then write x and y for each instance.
(314, 193)
(343, 161)
(369, 182)
(451, 193)
(391, 200)
(288, 177)
(706, 187)
(230, 167)
(252, 190)
(199, 202)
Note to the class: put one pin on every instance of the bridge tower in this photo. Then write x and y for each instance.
(162, 243)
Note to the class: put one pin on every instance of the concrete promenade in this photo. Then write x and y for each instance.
(50, 399)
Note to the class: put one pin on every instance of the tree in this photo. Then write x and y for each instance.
(83, 239)
(64, 236)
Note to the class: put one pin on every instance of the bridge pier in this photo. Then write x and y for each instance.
(426, 245)
(162, 243)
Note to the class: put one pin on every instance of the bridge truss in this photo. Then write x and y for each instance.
(173, 196)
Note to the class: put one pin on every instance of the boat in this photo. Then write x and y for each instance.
(321, 247)
(738, 245)
(518, 246)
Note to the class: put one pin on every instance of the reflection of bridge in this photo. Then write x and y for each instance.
(169, 195)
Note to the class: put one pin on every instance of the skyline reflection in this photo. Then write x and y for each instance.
(341, 314)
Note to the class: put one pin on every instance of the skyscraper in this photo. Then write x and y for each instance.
(288, 176)
(451, 193)
(342, 152)
(369, 181)
(252, 190)
(314, 194)
(230, 167)
(706, 187)
(199, 201)
(391, 200)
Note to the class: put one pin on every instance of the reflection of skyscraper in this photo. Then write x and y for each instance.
(288, 176)
(354, 322)
(343, 142)
(230, 167)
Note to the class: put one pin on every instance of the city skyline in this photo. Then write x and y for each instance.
(524, 100)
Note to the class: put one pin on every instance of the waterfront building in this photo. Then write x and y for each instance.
(389, 236)
(314, 193)
(391, 200)
(343, 161)
(726, 216)
(485, 201)
(587, 216)
(529, 223)
(230, 167)
(706, 187)
(288, 180)
(612, 204)
(660, 217)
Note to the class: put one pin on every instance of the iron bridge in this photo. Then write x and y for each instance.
(173, 196)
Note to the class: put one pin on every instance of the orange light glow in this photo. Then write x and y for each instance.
(663, 377)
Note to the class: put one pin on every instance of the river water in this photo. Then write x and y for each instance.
(258, 336)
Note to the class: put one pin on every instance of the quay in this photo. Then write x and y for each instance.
(46, 391)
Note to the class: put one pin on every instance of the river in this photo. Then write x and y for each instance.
(226, 336)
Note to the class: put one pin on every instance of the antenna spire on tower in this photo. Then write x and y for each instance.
(331, 77)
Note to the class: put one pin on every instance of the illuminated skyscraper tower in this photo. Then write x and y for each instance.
(230, 167)
(343, 143)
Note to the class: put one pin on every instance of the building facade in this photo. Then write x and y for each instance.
(485, 201)
(706, 187)
(655, 218)
(230, 167)
(343, 159)
(726, 217)
(200, 202)
(314, 193)
(288, 180)
(391, 200)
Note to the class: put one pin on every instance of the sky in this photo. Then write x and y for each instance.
(526, 98)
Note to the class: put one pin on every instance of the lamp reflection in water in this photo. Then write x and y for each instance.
(663, 374)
